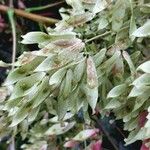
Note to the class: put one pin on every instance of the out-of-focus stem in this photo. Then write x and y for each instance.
(31, 16)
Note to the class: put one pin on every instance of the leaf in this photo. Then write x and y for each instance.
(58, 129)
(85, 134)
(118, 15)
(117, 91)
(131, 125)
(26, 85)
(137, 91)
(57, 77)
(145, 67)
(99, 57)
(114, 103)
(141, 99)
(143, 80)
(12, 103)
(42, 93)
(132, 27)
(19, 73)
(79, 71)
(33, 114)
(91, 96)
(48, 64)
(107, 65)
(80, 19)
(68, 83)
(129, 61)
(103, 23)
(20, 115)
(66, 117)
(35, 37)
(62, 107)
(77, 5)
(99, 6)
(74, 103)
(92, 79)
(143, 31)
(143, 133)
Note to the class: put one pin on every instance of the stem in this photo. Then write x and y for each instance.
(43, 7)
(12, 22)
(33, 17)
(98, 36)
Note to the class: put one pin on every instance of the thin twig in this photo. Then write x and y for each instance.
(44, 7)
(98, 36)
(13, 26)
(31, 16)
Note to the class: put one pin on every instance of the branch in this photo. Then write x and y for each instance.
(33, 17)
(44, 7)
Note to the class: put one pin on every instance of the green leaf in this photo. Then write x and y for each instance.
(107, 65)
(35, 37)
(66, 117)
(19, 73)
(68, 83)
(91, 96)
(48, 64)
(132, 27)
(129, 61)
(143, 31)
(12, 103)
(74, 102)
(99, 57)
(33, 114)
(58, 129)
(141, 99)
(117, 91)
(137, 91)
(131, 125)
(77, 5)
(20, 115)
(62, 107)
(103, 23)
(27, 85)
(145, 67)
(118, 15)
(42, 93)
(57, 77)
(99, 6)
(143, 80)
(79, 71)
(114, 103)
